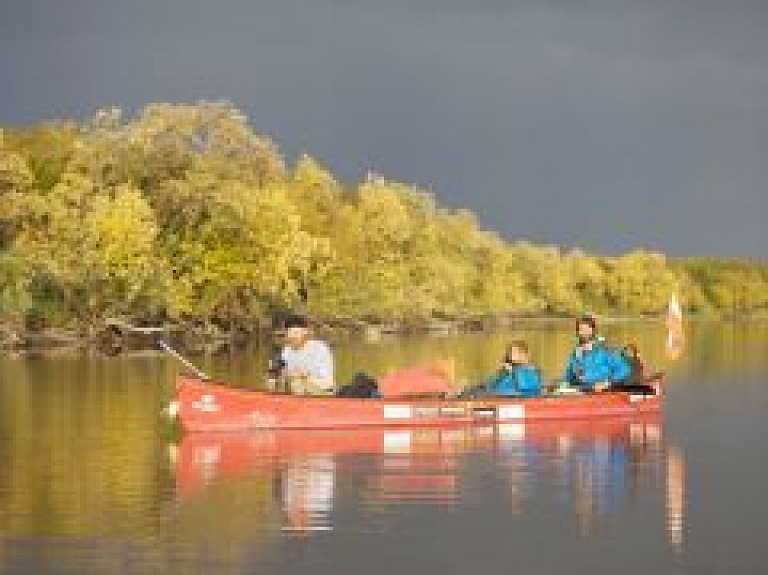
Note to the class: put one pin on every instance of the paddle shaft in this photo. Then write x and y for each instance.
(167, 348)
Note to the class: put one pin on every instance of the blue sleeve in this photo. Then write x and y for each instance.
(528, 380)
(501, 383)
(621, 369)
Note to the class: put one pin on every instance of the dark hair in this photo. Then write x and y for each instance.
(587, 319)
(296, 320)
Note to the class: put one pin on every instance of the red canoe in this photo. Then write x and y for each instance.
(209, 406)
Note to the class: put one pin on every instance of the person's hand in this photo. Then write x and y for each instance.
(601, 386)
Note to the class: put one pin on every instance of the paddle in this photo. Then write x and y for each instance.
(172, 409)
(176, 355)
(119, 324)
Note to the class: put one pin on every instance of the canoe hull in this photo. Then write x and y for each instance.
(205, 407)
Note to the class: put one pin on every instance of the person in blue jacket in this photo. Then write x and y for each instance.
(593, 366)
(517, 377)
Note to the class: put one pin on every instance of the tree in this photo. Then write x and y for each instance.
(640, 281)
(96, 253)
(184, 211)
(16, 182)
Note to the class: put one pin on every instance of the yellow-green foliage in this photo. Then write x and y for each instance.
(184, 212)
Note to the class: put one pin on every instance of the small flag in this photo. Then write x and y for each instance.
(675, 329)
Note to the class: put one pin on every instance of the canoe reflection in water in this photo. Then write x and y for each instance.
(592, 467)
(305, 489)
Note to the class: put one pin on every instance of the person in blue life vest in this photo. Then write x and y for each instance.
(517, 377)
(592, 365)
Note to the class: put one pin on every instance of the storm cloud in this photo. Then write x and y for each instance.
(606, 125)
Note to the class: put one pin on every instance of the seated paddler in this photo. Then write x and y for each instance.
(304, 364)
(517, 376)
(592, 365)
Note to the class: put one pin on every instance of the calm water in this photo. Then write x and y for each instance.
(90, 484)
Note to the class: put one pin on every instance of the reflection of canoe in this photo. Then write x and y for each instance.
(206, 406)
(418, 459)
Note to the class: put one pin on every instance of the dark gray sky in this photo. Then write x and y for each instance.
(601, 124)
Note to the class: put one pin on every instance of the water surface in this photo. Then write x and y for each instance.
(91, 484)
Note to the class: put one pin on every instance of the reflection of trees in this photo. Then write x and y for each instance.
(85, 478)
(227, 527)
(722, 350)
(80, 451)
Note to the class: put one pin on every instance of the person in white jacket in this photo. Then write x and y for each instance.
(307, 363)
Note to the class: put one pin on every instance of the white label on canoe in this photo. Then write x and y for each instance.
(512, 431)
(397, 442)
(207, 403)
(635, 397)
(397, 412)
(453, 411)
(512, 412)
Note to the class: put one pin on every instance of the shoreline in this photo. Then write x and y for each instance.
(117, 337)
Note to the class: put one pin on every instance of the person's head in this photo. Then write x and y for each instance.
(517, 353)
(586, 328)
(296, 331)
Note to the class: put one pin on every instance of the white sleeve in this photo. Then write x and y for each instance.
(321, 367)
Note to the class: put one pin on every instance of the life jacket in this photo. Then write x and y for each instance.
(601, 363)
(519, 381)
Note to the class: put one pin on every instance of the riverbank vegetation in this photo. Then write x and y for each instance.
(183, 215)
